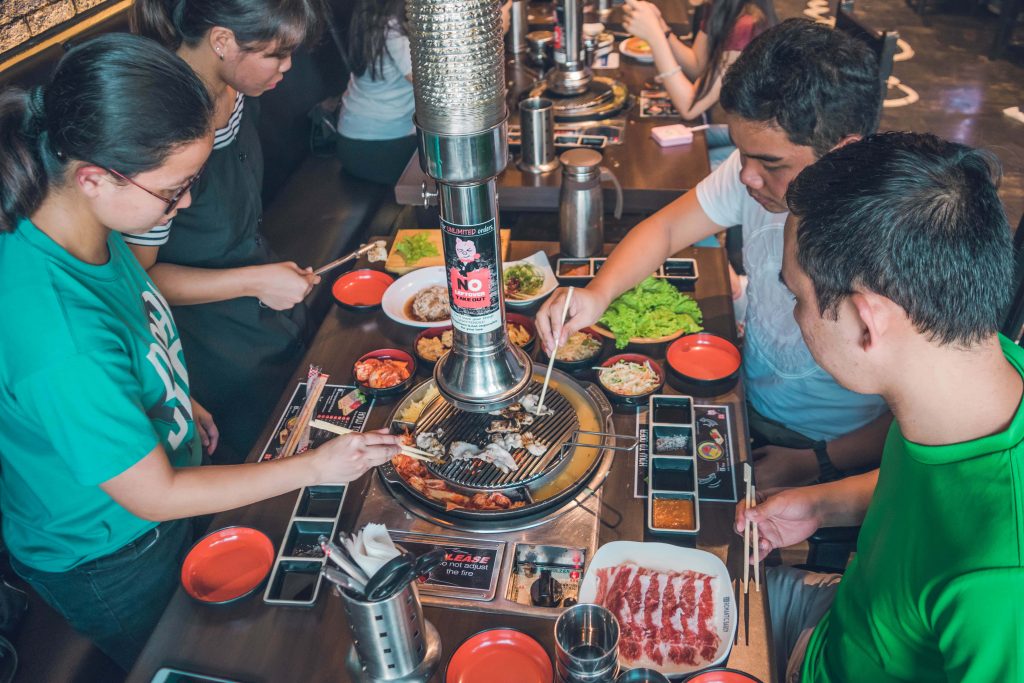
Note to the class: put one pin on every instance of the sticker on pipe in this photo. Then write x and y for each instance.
(470, 253)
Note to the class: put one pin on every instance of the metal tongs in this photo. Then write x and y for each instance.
(378, 254)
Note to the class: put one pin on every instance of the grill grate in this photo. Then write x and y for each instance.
(552, 430)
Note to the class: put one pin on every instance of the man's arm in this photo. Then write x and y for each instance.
(778, 466)
(645, 247)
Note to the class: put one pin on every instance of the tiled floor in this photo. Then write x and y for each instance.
(962, 93)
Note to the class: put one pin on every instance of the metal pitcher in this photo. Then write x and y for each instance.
(581, 205)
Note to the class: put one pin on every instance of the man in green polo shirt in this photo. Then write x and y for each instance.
(898, 254)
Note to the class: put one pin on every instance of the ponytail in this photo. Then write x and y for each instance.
(117, 101)
(255, 23)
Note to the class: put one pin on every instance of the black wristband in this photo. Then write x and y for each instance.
(668, 34)
(826, 470)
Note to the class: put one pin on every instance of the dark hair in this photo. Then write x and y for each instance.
(720, 24)
(367, 34)
(915, 219)
(118, 101)
(817, 84)
(255, 23)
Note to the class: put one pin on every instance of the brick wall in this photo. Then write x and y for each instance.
(21, 20)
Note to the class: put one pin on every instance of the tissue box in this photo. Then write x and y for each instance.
(669, 136)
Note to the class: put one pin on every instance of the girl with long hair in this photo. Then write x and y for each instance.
(692, 76)
(239, 307)
(99, 434)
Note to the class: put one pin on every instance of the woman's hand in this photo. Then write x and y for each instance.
(283, 285)
(346, 458)
(586, 307)
(785, 518)
(209, 435)
(643, 20)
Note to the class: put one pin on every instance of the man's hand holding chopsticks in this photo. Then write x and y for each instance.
(785, 518)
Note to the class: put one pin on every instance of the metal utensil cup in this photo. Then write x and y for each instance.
(587, 644)
(390, 639)
(537, 135)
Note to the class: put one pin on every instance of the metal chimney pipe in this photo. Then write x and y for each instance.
(571, 75)
(459, 84)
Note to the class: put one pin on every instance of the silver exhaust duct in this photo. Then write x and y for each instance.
(459, 84)
(571, 75)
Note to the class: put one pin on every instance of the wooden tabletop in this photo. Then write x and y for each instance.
(256, 643)
(651, 176)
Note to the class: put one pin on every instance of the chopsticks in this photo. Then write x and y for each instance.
(379, 244)
(750, 529)
(412, 452)
(316, 387)
(554, 352)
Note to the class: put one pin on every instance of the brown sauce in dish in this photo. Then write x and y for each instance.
(674, 513)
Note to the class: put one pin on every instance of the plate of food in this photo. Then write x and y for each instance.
(652, 312)
(637, 48)
(694, 623)
(528, 280)
(419, 298)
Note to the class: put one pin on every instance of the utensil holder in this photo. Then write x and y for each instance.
(391, 641)
(537, 135)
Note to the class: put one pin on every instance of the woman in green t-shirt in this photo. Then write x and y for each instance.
(97, 426)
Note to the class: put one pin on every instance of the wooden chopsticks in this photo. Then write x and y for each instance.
(315, 387)
(750, 529)
(412, 452)
(354, 255)
(554, 352)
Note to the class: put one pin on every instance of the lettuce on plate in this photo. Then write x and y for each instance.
(654, 308)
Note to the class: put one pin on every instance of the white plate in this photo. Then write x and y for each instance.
(645, 57)
(406, 287)
(665, 557)
(540, 260)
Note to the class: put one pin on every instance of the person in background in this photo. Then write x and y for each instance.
(798, 91)
(376, 134)
(99, 434)
(692, 76)
(899, 256)
(239, 307)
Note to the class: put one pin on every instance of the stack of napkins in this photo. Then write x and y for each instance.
(371, 547)
(676, 134)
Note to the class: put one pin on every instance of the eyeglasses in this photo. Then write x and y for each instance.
(171, 201)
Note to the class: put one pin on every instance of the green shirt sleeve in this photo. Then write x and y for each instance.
(90, 408)
(979, 623)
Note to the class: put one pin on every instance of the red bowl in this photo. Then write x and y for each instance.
(389, 354)
(361, 290)
(722, 676)
(518, 319)
(632, 399)
(704, 362)
(500, 655)
(227, 565)
(428, 333)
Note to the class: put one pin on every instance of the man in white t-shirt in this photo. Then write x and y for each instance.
(797, 91)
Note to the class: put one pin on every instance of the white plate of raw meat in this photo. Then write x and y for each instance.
(675, 606)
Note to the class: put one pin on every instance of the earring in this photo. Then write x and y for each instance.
(221, 55)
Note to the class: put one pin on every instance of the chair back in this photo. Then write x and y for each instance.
(882, 43)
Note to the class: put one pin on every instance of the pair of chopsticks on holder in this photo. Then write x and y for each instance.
(414, 453)
(554, 352)
(751, 533)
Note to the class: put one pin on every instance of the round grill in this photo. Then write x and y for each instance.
(602, 99)
(552, 430)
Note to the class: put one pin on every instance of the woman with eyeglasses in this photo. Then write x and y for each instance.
(239, 307)
(99, 436)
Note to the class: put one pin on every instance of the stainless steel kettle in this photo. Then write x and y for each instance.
(581, 206)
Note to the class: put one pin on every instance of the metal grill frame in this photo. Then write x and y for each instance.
(553, 431)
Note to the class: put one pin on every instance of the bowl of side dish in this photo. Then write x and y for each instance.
(521, 330)
(630, 378)
(528, 281)
(385, 372)
(580, 352)
(432, 343)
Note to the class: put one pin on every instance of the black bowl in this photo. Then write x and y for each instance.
(428, 333)
(632, 399)
(397, 389)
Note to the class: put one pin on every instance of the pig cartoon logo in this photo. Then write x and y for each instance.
(466, 252)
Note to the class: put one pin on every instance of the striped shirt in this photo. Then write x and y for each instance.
(222, 137)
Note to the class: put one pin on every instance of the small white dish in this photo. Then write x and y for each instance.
(663, 557)
(628, 47)
(404, 288)
(541, 262)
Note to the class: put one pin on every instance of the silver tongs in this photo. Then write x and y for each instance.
(377, 252)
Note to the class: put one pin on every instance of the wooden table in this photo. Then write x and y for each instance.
(651, 176)
(255, 643)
